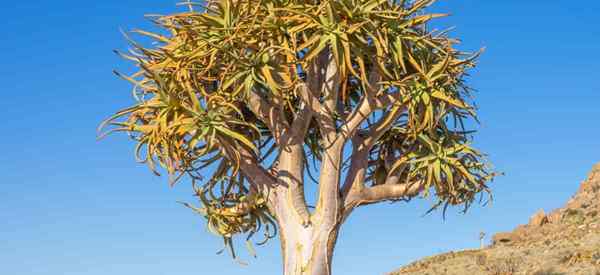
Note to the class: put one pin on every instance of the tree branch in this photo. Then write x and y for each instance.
(355, 178)
(269, 114)
(388, 191)
(324, 119)
(366, 107)
(386, 122)
(301, 122)
(309, 109)
(259, 177)
(329, 203)
(330, 93)
(289, 166)
(314, 74)
(290, 173)
(329, 200)
(358, 167)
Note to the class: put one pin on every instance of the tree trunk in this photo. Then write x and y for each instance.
(307, 250)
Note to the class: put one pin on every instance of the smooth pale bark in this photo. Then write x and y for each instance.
(307, 247)
(307, 250)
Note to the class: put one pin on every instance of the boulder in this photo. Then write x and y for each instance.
(538, 219)
(555, 216)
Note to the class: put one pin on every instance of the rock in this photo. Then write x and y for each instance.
(555, 217)
(568, 234)
(504, 238)
(588, 195)
(538, 219)
(596, 168)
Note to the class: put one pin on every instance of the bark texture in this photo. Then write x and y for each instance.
(307, 250)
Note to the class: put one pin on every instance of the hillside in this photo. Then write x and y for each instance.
(565, 241)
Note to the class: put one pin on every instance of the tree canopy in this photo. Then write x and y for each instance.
(226, 88)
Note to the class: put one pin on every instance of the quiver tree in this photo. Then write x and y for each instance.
(255, 100)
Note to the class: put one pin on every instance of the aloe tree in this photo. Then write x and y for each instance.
(253, 101)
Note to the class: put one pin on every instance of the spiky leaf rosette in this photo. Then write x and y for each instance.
(205, 85)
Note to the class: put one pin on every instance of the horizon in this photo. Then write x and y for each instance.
(72, 205)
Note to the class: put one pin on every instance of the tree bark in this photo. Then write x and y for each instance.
(307, 250)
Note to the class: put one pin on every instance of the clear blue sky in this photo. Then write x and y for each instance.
(71, 205)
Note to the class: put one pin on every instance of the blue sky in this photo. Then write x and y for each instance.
(72, 205)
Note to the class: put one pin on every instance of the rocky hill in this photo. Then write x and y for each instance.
(565, 241)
